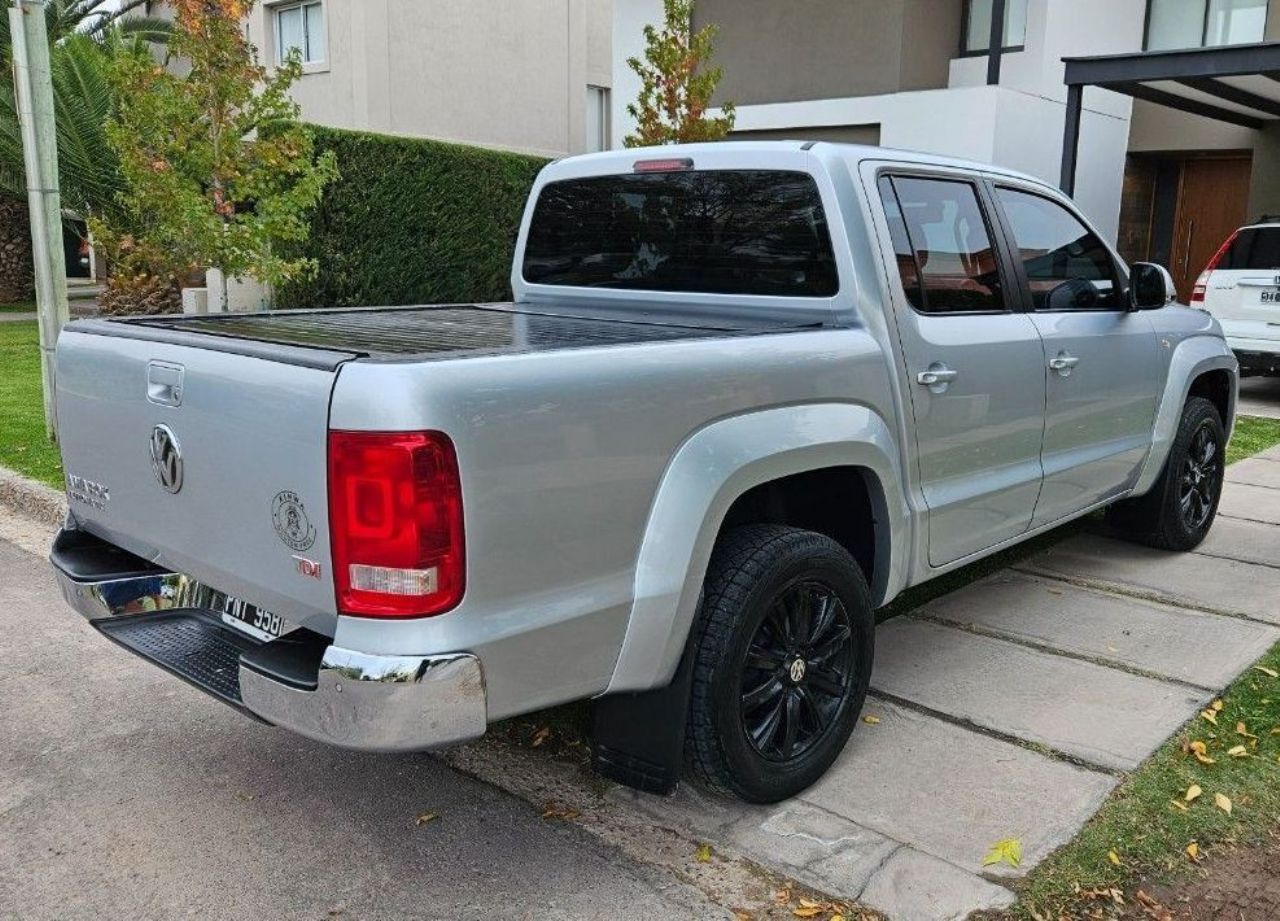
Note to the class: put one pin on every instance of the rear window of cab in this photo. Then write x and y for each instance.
(743, 232)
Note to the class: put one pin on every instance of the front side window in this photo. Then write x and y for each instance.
(1067, 265)
(943, 248)
(746, 232)
(1173, 24)
(977, 25)
(300, 27)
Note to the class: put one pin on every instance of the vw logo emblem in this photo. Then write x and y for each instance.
(166, 458)
(797, 671)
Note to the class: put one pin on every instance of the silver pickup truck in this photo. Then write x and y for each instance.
(745, 395)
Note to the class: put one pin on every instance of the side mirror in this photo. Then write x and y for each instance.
(1150, 287)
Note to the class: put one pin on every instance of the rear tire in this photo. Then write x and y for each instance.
(1181, 507)
(783, 649)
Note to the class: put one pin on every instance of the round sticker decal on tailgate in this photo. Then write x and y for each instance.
(293, 526)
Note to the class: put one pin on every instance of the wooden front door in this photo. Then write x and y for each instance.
(1212, 200)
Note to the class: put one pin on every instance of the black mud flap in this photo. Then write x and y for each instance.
(638, 739)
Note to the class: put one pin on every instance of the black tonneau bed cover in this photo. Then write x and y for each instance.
(326, 338)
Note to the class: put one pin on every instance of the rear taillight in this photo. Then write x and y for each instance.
(1202, 283)
(395, 517)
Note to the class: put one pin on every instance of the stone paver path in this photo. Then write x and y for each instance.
(1011, 708)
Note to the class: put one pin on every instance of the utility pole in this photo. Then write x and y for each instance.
(33, 85)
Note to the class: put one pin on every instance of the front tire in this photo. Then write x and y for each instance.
(782, 658)
(1181, 507)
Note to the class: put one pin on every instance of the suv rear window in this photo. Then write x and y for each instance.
(750, 232)
(1254, 248)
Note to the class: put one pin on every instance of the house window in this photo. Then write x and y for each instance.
(977, 25)
(597, 118)
(1204, 23)
(300, 26)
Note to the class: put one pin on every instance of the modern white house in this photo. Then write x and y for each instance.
(918, 74)
(525, 75)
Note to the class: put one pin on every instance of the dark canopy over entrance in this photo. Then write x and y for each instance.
(1239, 84)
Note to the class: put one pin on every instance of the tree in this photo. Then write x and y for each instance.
(676, 86)
(83, 34)
(218, 171)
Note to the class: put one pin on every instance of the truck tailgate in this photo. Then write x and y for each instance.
(205, 462)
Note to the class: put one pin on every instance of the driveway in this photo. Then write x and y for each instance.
(125, 794)
(1260, 396)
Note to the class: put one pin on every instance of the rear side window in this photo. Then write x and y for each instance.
(1254, 248)
(746, 232)
(942, 245)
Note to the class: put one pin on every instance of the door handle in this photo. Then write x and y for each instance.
(937, 377)
(1063, 363)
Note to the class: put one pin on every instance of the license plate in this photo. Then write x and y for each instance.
(259, 624)
(1271, 296)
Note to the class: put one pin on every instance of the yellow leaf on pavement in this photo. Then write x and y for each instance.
(1222, 802)
(806, 912)
(1269, 672)
(871, 720)
(1193, 851)
(1192, 792)
(703, 854)
(1007, 850)
(425, 818)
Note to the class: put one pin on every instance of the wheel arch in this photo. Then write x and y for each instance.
(725, 467)
(1200, 366)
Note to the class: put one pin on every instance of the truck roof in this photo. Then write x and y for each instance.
(625, 159)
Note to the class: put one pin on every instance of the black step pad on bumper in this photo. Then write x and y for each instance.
(189, 644)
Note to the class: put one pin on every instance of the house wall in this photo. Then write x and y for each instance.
(503, 73)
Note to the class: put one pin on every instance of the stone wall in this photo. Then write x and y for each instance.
(17, 276)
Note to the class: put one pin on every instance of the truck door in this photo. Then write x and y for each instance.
(974, 364)
(1102, 361)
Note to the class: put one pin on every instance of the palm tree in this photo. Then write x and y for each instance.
(84, 35)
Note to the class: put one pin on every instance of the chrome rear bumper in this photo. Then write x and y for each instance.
(352, 699)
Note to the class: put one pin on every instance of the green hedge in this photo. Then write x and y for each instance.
(413, 221)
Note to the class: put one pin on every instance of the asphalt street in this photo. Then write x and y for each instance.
(124, 793)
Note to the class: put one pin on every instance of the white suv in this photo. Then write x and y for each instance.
(1241, 288)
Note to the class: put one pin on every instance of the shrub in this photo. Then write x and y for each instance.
(412, 221)
(127, 293)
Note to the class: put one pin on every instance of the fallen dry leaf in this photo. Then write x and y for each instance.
(426, 817)
(1238, 751)
(703, 854)
(541, 736)
(1217, 706)
(806, 912)
(1222, 802)
(1243, 730)
(1177, 804)
(556, 811)
(1193, 791)
(1113, 857)
(1210, 716)
(871, 720)
(1269, 672)
(1193, 851)
(1198, 749)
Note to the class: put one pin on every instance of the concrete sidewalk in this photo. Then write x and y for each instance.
(1012, 708)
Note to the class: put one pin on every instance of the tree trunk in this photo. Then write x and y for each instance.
(17, 273)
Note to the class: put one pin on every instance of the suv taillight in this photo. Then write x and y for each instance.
(395, 519)
(1202, 283)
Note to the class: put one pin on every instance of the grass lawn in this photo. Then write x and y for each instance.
(1251, 436)
(23, 446)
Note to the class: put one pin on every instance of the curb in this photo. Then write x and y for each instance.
(26, 497)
